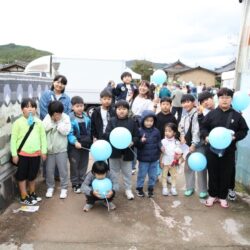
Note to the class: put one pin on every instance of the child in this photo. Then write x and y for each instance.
(57, 126)
(99, 171)
(222, 168)
(190, 135)
(26, 154)
(120, 159)
(165, 116)
(102, 115)
(79, 142)
(148, 153)
(171, 158)
(125, 90)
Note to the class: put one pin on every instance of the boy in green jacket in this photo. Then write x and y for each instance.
(27, 154)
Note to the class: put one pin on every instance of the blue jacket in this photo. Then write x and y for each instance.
(75, 132)
(150, 150)
(120, 92)
(49, 96)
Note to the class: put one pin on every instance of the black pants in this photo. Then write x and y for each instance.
(232, 179)
(179, 112)
(91, 199)
(220, 170)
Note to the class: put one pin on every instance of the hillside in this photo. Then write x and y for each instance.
(155, 65)
(11, 52)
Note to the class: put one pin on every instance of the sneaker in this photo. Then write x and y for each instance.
(203, 195)
(150, 193)
(169, 181)
(231, 195)
(87, 207)
(49, 192)
(77, 189)
(28, 201)
(129, 194)
(63, 194)
(33, 196)
(139, 192)
(173, 191)
(110, 205)
(165, 191)
(133, 171)
(189, 192)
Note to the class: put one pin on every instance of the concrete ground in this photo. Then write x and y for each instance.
(155, 223)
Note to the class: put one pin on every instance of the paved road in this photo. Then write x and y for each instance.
(158, 223)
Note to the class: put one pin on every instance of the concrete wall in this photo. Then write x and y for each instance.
(198, 76)
(12, 90)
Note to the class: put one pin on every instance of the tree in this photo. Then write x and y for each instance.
(144, 68)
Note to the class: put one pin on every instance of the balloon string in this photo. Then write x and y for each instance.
(85, 148)
(133, 151)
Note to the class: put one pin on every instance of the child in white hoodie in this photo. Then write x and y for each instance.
(171, 158)
(57, 126)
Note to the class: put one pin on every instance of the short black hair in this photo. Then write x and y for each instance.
(76, 100)
(28, 101)
(55, 107)
(204, 96)
(122, 103)
(187, 97)
(125, 74)
(99, 167)
(166, 99)
(226, 92)
(105, 93)
(62, 79)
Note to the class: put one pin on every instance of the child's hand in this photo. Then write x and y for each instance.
(44, 157)
(96, 194)
(94, 139)
(161, 165)
(78, 145)
(15, 159)
(162, 149)
(131, 144)
(143, 139)
(110, 193)
(192, 148)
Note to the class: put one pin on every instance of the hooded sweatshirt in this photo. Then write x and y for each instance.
(150, 150)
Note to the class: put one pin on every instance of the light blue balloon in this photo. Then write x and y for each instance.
(241, 100)
(101, 150)
(120, 138)
(197, 161)
(220, 137)
(159, 77)
(102, 186)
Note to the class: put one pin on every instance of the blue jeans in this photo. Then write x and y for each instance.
(145, 168)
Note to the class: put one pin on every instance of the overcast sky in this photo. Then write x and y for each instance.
(198, 32)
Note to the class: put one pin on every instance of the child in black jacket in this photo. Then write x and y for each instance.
(120, 159)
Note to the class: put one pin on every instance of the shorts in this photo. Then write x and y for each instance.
(27, 168)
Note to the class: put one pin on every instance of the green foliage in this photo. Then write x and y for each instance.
(11, 52)
(144, 68)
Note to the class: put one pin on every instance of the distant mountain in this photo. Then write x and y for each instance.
(130, 63)
(9, 53)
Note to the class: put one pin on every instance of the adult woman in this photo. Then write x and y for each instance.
(142, 101)
(55, 93)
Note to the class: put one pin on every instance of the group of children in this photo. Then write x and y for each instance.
(158, 141)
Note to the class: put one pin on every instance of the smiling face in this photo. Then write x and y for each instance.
(208, 103)
(188, 105)
(149, 122)
(58, 86)
(143, 89)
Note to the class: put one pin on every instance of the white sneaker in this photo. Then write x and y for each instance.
(173, 191)
(129, 194)
(165, 191)
(63, 194)
(49, 192)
